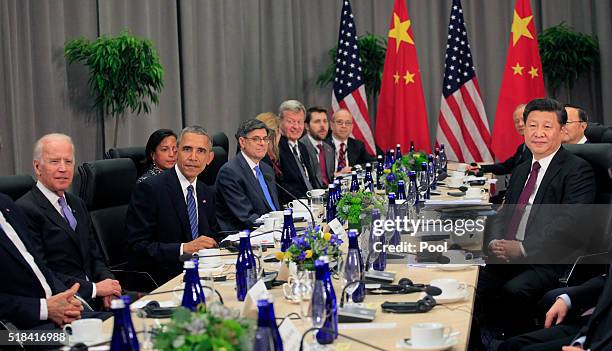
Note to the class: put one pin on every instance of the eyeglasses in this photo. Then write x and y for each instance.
(265, 140)
(344, 123)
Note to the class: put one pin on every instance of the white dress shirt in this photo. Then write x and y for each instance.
(251, 164)
(53, 199)
(315, 143)
(14, 238)
(544, 163)
(293, 145)
(582, 141)
(184, 184)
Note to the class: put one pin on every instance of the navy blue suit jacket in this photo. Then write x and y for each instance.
(157, 223)
(21, 291)
(292, 179)
(239, 197)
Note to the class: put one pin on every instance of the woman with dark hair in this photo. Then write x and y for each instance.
(161, 153)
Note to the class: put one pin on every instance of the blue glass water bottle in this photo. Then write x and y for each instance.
(288, 230)
(354, 254)
(331, 319)
(245, 271)
(124, 336)
(263, 335)
(368, 181)
(354, 182)
(193, 294)
(380, 263)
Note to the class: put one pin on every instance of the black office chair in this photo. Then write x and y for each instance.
(599, 156)
(606, 137)
(109, 190)
(16, 186)
(594, 132)
(210, 172)
(135, 153)
(220, 139)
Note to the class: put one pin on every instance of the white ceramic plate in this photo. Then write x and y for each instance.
(448, 343)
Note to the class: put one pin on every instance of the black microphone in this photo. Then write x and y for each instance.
(270, 179)
(438, 258)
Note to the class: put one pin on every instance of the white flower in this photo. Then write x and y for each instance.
(178, 342)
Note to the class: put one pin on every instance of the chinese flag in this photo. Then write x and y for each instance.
(401, 115)
(521, 83)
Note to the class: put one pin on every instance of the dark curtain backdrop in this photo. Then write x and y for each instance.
(226, 61)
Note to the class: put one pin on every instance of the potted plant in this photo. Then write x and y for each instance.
(372, 50)
(307, 248)
(218, 328)
(566, 55)
(411, 161)
(356, 208)
(124, 73)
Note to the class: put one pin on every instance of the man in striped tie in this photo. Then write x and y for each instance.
(173, 213)
(245, 187)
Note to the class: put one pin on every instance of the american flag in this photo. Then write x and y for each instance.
(463, 126)
(349, 90)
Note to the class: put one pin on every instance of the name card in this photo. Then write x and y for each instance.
(290, 335)
(257, 292)
(337, 227)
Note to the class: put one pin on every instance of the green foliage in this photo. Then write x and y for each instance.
(218, 329)
(399, 170)
(372, 50)
(356, 207)
(307, 248)
(566, 55)
(124, 72)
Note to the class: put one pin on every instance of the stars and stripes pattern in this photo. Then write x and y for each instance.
(349, 90)
(462, 124)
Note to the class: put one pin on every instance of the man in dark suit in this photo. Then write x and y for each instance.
(581, 316)
(31, 296)
(522, 152)
(321, 153)
(173, 213)
(349, 151)
(298, 176)
(245, 187)
(577, 120)
(528, 229)
(62, 232)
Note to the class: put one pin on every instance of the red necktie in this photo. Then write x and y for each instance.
(519, 209)
(322, 164)
(341, 158)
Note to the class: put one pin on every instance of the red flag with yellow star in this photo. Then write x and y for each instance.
(401, 116)
(522, 80)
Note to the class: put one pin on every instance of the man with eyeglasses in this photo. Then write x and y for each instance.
(573, 131)
(298, 176)
(173, 213)
(349, 151)
(245, 187)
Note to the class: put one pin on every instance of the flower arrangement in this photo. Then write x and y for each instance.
(356, 207)
(399, 170)
(218, 328)
(307, 248)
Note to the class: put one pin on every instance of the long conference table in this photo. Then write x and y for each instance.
(387, 328)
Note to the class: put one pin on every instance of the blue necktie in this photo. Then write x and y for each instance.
(67, 213)
(264, 187)
(192, 210)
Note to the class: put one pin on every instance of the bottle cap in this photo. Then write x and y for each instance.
(368, 165)
(288, 212)
(189, 264)
(244, 234)
(354, 173)
(353, 233)
(331, 186)
(379, 157)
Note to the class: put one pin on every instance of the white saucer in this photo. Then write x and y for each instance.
(448, 343)
(211, 265)
(443, 299)
(453, 267)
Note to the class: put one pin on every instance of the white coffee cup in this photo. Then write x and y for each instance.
(315, 192)
(454, 182)
(84, 330)
(461, 167)
(299, 207)
(474, 193)
(449, 286)
(207, 262)
(428, 334)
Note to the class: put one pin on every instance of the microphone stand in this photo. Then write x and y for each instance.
(269, 179)
(339, 334)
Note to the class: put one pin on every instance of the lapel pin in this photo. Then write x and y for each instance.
(203, 201)
(8, 210)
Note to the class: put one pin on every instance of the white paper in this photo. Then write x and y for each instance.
(143, 302)
(337, 227)
(290, 335)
